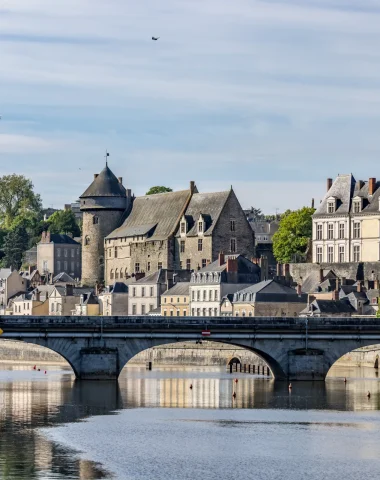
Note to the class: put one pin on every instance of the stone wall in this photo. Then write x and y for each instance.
(191, 354)
(11, 351)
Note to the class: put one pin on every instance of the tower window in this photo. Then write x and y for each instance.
(232, 225)
(95, 220)
(200, 226)
(183, 227)
(116, 274)
(188, 264)
(233, 245)
(115, 252)
(87, 241)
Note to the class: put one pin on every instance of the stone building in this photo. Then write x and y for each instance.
(103, 205)
(11, 283)
(346, 225)
(182, 230)
(145, 294)
(175, 302)
(58, 253)
(114, 299)
(63, 299)
(269, 298)
(228, 274)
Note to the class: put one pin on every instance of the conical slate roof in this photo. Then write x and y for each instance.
(105, 185)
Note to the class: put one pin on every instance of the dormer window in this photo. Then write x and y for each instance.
(357, 205)
(183, 226)
(200, 226)
(331, 206)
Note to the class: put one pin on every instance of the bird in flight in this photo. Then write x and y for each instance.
(155, 38)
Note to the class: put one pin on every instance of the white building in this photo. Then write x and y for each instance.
(11, 284)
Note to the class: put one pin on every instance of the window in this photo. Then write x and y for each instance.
(184, 313)
(331, 206)
(319, 255)
(216, 295)
(165, 313)
(148, 267)
(151, 291)
(193, 312)
(180, 265)
(177, 313)
(357, 206)
(121, 273)
(204, 262)
(95, 220)
(78, 252)
(116, 274)
(109, 252)
(215, 312)
(134, 309)
(87, 241)
(204, 295)
(341, 231)
(341, 253)
(330, 231)
(330, 254)
(192, 295)
(204, 312)
(65, 252)
(319, 232)
(356, 229)
(210, 295)
(198, 295)
(151, 307)
(137, 268)
(143, 291)
(182, 246)
(356, 253)
(58, 252)
(142, 309)
(65, 266)
(200, 245)
(72, 253)
(183, 227)
(171, 313)
(52, 307)
(200, 227)
(112, 274)
(134, 292)
(115, 252)
(72, 266)
(232, 225)
(58, 266)
(233, 245)
(188, 264)
(159, 265)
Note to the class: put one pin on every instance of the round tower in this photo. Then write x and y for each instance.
(103, 205)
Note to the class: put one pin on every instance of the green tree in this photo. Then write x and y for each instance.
(64, 221)
(158, 189)
(16, 198)
(15, 244)
(294, 232)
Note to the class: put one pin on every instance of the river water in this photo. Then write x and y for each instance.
(151, 425)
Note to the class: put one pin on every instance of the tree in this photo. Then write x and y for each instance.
(64, 221)
(17, 197)
(15, 244)
(157, 189)
(293, 234)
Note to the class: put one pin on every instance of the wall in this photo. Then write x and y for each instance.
(11, 351)
(45, 253)
(207, 354)
(170, 308)
(67, 259)
(191, 251)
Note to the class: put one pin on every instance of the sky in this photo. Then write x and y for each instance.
(271, 97)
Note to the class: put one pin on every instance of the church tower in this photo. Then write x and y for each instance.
(103, 205)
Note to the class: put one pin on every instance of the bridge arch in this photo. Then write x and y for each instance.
(62, 349)
(369, 355)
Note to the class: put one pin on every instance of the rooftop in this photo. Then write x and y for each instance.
(105, 185)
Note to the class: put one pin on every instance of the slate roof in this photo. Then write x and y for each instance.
(332, 306)
(345, 188)
(105, 185)
(5, 272)
(158, 214)
(63, 277)
(180, 288)
(62, 238)
(117, 287)
(210, 205)
(77, 291)
(269, 290)
(153, 278)
(243, 264)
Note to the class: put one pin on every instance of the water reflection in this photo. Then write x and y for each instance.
(30, 400)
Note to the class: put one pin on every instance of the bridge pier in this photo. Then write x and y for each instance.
(99, 363)
(310, 364)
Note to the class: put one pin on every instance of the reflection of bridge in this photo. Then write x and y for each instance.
(99, 347)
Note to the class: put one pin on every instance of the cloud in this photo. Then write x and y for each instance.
(250, 92)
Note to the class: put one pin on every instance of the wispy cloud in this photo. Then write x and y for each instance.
(251, 92)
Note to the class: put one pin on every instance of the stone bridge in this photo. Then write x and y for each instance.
(98, 348)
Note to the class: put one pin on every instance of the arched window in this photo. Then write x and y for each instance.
(111, 274)
(121, 273)
(95, 220)
(126, 273)
(250, 314)
(87, 241)
(116, 274)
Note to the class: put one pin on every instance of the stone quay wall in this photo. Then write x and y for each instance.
(11, 351)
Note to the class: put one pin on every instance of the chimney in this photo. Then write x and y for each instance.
(264, 268)
(192, 186)
(120, 179)
(371, 186)
(31, 269)
(43, 237)
(47, 237)
(221, 259)
(321, 277)
(139, 275)
(343, 281)
(335, 295)
(232, 265)
(312, 203)
(359, 287)
(329, 183)
(299, 290)
(279, 270)
(69, 290)
(376, 284)
(38, 296)
(96, 175)
(287, 270)
(169, 279)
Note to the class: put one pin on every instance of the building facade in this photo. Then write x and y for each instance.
(346, 225)
(145, 294)
(114, 299)
(175, 302)
(11, 283)
(58, 253)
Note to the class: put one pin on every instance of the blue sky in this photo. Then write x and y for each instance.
(269, 96)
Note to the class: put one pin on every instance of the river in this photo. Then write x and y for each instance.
(151, 425)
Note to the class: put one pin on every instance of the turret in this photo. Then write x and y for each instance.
(103, 205)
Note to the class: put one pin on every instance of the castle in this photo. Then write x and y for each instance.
(125, 235)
